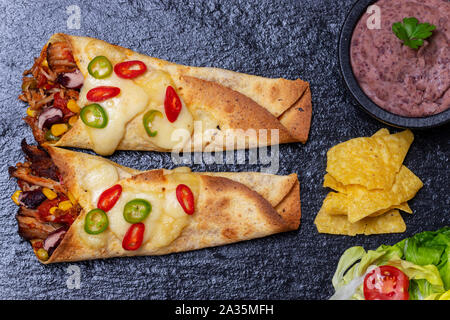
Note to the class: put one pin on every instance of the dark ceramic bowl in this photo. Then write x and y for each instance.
(358, 9)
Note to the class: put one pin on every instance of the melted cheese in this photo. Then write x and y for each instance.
(167, 218)
(131, 101)
(171, 223)
(94, 241)
(164, 224)
(170, 135)
(117, 223)
(155, 82)
(99, 176)
(138, 96)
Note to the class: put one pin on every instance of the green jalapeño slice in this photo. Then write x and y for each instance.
(100, 67)
(148, 119)
(93, 115)
(96, 221)
(136, 210)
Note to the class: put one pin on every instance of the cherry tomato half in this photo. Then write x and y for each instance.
(102, 93)
(134, 236)
(185, 198)
(130, 69)
(109, 197)
(386, 283)
(172, 104)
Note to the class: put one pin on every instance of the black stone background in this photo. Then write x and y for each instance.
(269, 38)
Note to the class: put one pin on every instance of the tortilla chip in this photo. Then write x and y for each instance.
(402, 206)
(363, 202)
(335, 204)
(398, 145)
(389, 222)
(381, 132)
(371, 185)
(330, 182)
(371, 162)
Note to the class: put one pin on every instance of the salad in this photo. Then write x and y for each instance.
(416, 268)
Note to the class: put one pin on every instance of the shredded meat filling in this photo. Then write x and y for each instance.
(38, 221)
(41, 164)
(41, 83)
(31, 228)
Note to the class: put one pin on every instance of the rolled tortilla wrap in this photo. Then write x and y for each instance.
(229, 207)
(216, 104)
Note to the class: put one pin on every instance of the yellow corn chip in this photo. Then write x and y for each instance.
(389, 222)
(398, 145)
(335, 204)
(402, 206)
(371, 162)
(330, 182)
(371, 184)
(363, 202)
(381, 132)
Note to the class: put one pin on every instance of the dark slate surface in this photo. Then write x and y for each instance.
(268, 38)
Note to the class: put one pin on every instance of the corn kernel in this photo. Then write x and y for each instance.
(50, 194)
(15, 197)
(65, 205)
(73, 106)
(52, 210)
(59, 129)
(42, 254)
(71, 198)
(73, 120)
(31, 112)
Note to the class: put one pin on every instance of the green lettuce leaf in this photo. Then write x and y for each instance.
(430, 247)
(424, 258)
(424, 280)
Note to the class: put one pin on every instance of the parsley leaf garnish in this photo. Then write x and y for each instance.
(411, 32)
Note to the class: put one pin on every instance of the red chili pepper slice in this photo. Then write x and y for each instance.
(134, 236)
(109, 197)
(102, 93)
(185, 198)
(130, 69)
(172, 104)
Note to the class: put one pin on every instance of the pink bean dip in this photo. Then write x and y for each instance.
(401, 80)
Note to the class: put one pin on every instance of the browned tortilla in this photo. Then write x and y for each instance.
(230, 207)
(235, 100)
